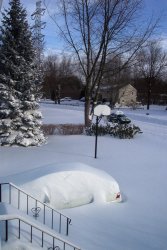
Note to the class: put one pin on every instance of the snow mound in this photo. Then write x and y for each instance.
(72, 188)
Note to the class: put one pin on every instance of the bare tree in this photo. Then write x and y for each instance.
(94, 29)
(60, 78)
(65, 66)
(151, 64)
(116, 75)
(51, 71)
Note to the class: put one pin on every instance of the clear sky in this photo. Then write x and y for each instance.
(53, 42)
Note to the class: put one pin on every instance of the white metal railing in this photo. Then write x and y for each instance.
(62, 221)
(55, 241)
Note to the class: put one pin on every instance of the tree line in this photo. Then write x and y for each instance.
(146, 72)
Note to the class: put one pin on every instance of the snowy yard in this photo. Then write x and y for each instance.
(139, 166)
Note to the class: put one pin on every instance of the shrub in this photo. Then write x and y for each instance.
(63, 129)
(122, 131)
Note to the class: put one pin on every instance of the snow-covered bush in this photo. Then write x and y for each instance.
(122, 131)
(20, 120)
(63, 129)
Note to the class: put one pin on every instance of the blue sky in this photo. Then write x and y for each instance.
(53, 42)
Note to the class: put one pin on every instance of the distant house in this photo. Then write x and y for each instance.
(126, 95)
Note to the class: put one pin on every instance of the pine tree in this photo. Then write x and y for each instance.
(20, 119)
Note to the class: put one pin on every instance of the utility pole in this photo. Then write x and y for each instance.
(38, 37)
(0, 4)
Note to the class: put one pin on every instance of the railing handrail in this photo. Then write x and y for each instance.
(32, 197)
(54, 236)
(68, 220)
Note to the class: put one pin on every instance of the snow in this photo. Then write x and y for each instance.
(139, 222)
(18, 245)
(60, 114)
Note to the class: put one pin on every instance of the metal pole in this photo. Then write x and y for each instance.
(42, 238)
(44, 214)
(53, 243)
(10, 197)
(18, 199)
(67, 226)
(52, 218)
(19, 229)
(27, 203)
(96, 135)
(6, 233)
(60, 224)
(31, 235)
(0, 193)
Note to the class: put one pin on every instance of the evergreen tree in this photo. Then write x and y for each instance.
(20, 119)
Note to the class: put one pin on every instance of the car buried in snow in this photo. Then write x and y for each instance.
(119, 118)
(68, 99)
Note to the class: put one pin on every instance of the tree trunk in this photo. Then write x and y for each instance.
(148, 95)
(87, 112)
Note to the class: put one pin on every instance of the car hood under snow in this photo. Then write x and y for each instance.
(73, 186)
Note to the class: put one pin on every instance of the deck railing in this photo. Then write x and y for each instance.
(36, 210)
(46, 238)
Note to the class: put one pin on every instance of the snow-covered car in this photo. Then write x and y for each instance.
(82, 99)
(119, 118)
(74, 184)
(66, 99)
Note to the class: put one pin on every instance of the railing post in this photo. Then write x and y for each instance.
(53, 243)
(0, 193)
(31, 235)
(27, 203)
(60, 224)
(36, 208)
(18, 199)
(67, 226)
(44, 215)
(42, 238)
(10, 198)
(19, 228)
(52, 218)
(6, 230)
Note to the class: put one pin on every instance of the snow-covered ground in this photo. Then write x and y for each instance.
(139, 166)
